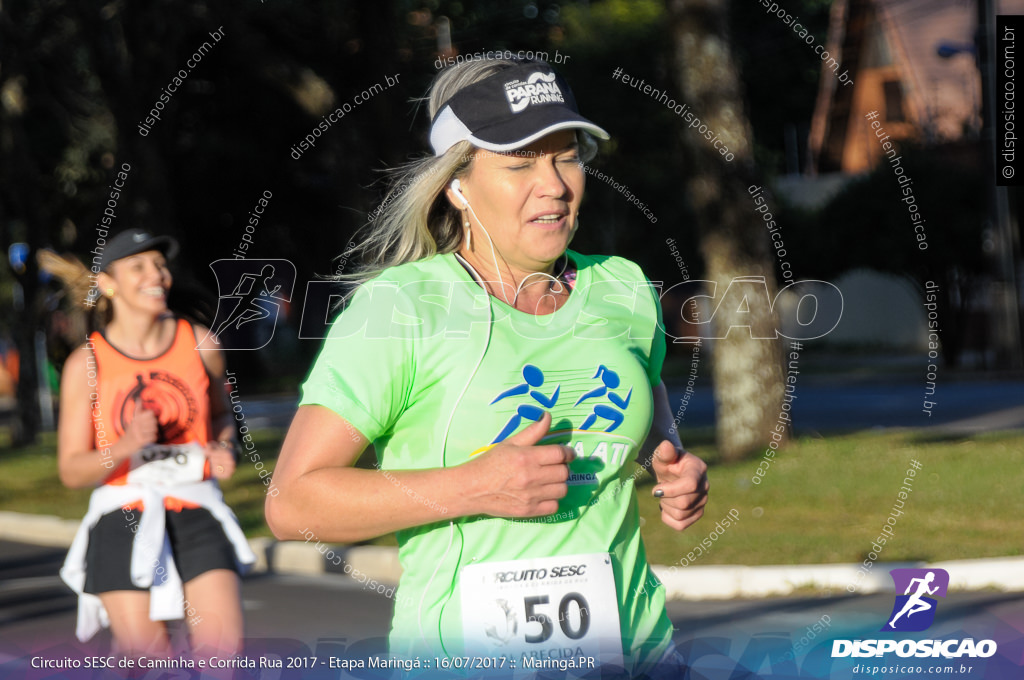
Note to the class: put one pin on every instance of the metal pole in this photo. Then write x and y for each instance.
(45, 395)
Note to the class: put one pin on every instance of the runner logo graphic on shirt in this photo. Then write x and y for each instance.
(610, 380)
(600, 409)
(534, 378)
(533, 382)
(247, 315)
(169, 398)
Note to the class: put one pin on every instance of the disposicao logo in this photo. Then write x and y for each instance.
(914, 611)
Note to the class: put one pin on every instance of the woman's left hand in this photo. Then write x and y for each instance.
(682, 485)
(222, 461)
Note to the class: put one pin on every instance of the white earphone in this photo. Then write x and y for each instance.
(456, 187)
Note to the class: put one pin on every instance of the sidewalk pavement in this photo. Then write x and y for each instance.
(711, 582)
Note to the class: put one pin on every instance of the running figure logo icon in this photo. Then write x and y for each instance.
(610, 380)
(914, 610)
(533, 379)
(533, 387)
(252, 293)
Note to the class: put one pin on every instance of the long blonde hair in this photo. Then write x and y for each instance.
(415, 220)
(79, 288)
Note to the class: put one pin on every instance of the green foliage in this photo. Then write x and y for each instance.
(619, 22)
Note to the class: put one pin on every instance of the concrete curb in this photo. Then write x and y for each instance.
(725, 581)
(38, 529)
(380, 565)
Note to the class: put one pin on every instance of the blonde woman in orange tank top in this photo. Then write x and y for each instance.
(145, 420)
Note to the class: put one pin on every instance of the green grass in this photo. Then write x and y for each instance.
(30, 483)
(826, 500)
(821, 500)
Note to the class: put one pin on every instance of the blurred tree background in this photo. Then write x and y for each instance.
(78, 77)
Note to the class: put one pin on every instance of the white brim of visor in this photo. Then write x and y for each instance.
(448, 131)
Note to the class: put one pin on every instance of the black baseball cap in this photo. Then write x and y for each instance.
(508, 110)
(134, 241)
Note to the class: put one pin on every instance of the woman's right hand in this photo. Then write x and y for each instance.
(518, 477)
(317, 489)
(142, 431)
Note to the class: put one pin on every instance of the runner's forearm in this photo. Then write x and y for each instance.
(89, 468)
(663, 426)
(346, 504)
(223, 429)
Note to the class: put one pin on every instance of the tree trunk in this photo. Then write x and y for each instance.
(747, 366)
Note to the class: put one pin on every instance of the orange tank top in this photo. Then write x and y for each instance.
(174, 385)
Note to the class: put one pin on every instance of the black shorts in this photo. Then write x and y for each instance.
(197, 541)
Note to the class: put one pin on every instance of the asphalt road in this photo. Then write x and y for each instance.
(331, 615)
(828, 407)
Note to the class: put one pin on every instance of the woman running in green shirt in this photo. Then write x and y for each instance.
(507, 384)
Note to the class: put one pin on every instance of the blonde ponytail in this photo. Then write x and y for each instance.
(79, 286)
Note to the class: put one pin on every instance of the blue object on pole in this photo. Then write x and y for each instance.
(947, 50)
(18, 255)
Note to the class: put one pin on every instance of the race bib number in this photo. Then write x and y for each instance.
(167, 465)
(545, 608)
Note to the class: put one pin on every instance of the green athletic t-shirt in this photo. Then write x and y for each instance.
(433, 370)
